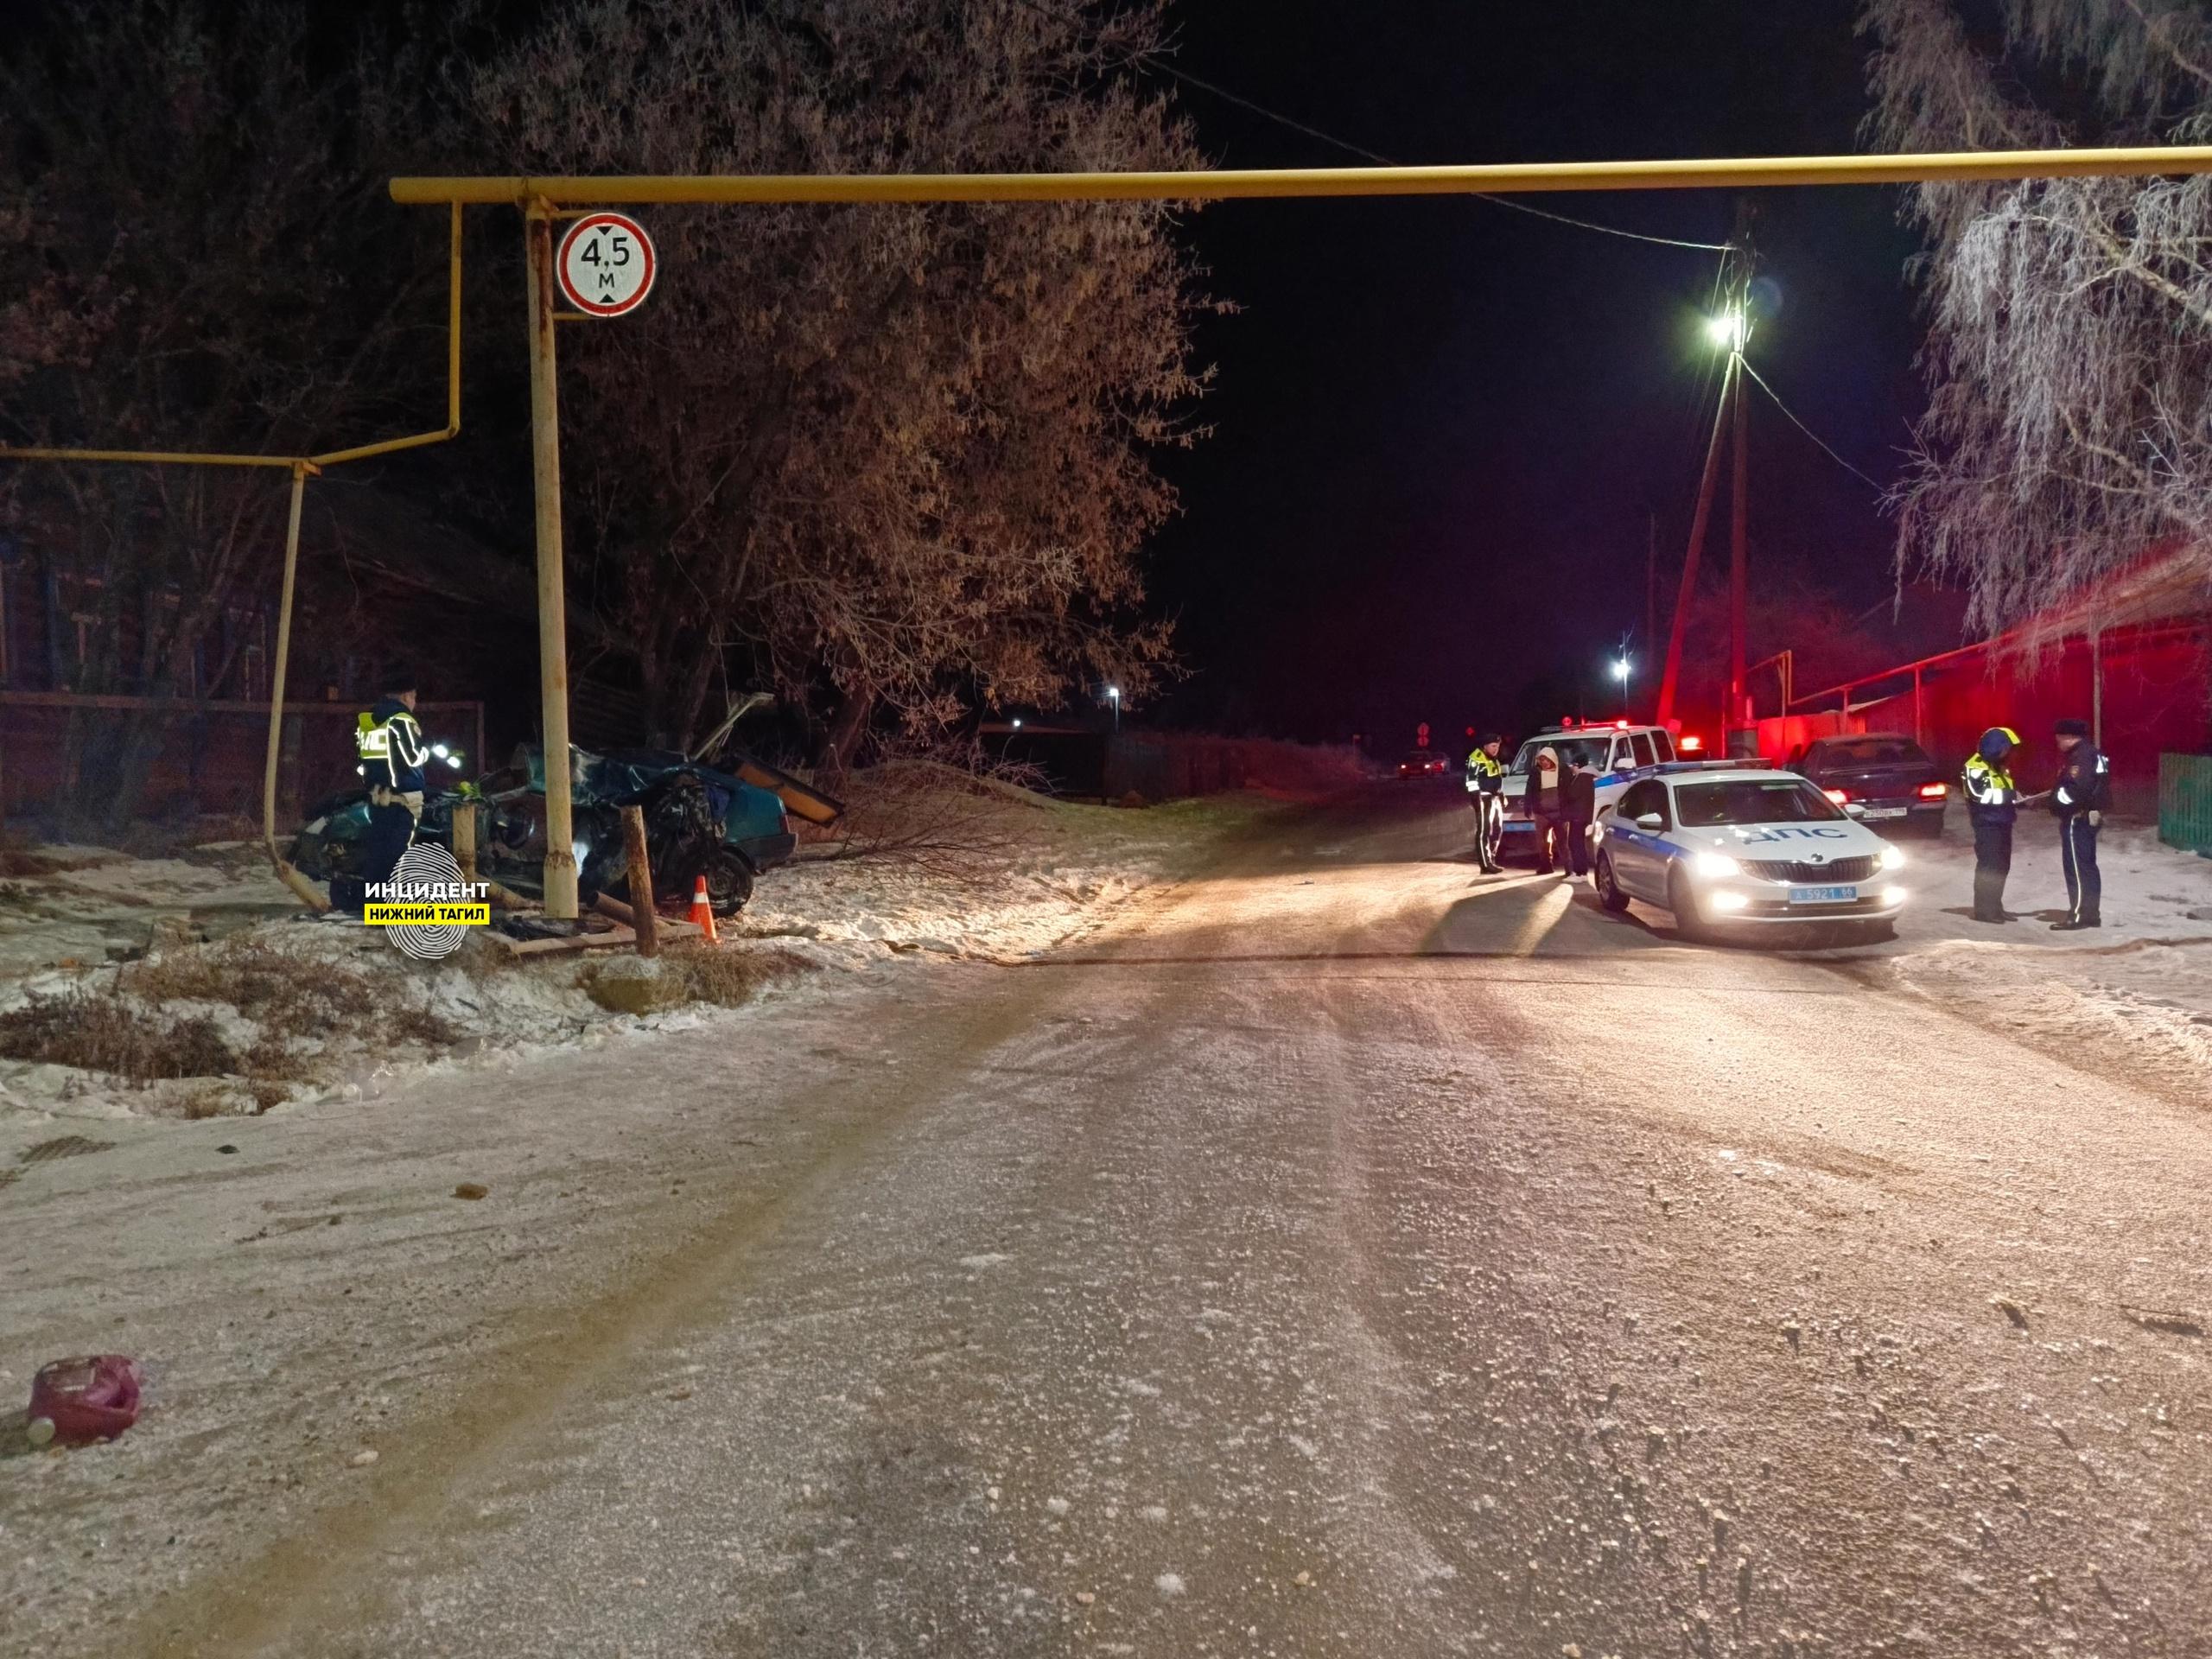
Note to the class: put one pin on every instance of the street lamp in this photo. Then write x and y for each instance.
(1729, 329)
(1620, 666)
(1114, 696)
(1017, 722)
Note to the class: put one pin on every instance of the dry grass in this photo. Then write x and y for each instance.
(269, 987)
(288, 996)
(729, 979)
(106, 1033)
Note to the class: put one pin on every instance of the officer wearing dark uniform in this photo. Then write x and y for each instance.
(1992, 804)
(2079, 799)
(1486, 794)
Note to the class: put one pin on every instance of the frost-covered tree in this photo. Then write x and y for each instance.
(192, 211)
(2069, 351)
(880, 457)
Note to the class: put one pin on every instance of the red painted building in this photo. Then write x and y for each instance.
(2134, 658)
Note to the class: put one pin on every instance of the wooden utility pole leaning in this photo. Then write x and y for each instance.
(1671, 675)
(1745, 258)
(1739, 508)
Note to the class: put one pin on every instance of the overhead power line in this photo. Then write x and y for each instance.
(1759, 380)
(1153, 61)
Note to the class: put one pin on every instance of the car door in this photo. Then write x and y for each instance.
(1634, 851)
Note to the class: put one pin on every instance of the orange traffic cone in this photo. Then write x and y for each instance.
(703, 914)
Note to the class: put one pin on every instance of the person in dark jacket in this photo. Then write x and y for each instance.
(1578, 803)
(1992, 804)
(2079, 799)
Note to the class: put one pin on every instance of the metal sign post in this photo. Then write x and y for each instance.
(605, 268)
(560, 874)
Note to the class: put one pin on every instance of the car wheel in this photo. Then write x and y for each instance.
(729, 882)
(1688, 922)
(1609, 891)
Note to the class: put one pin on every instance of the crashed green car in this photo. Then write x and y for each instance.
(727, 827)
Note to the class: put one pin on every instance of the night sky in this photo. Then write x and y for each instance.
(1441, 424)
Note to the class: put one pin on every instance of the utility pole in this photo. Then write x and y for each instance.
(1737, 552)
(1671, 675)
(1745, 259)
(1651, 582)
(552, 600)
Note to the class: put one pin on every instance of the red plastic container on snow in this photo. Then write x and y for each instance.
(94, 1397)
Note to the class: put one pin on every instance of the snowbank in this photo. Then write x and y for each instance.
(277, 1008)
(2143, 982)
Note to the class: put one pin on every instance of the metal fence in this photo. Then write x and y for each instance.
(2185, 802)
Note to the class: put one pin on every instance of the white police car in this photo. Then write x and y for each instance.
(1616, 751)
(1722, 845)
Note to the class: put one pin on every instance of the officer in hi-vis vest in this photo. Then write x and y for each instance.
(390, 741)
(1993, 804)
(1486, 794)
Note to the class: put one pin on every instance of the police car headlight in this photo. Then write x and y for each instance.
(1893, 858)
(1714, 864)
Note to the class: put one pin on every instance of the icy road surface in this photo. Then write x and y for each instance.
(1339, 1254)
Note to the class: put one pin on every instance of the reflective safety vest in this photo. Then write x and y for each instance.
(1486, 772)
(391, 749)
(1990, 791)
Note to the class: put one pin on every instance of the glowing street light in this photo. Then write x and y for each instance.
(1114, 696)
(1017, 722)
(1729, 329)
(1620, 670)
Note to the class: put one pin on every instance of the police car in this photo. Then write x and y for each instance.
(1725, 844)
(1617, 752)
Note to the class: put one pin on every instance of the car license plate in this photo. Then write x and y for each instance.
(1884, 812)
(1822, 895)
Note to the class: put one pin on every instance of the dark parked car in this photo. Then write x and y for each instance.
(1422, 763)
(1883, 779)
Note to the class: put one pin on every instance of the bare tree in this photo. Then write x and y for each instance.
(874, 456)
(186, 196)
(2069, 354)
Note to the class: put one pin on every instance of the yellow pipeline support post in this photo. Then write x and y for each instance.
(552, 603)
(1230, 184)
(285, 873)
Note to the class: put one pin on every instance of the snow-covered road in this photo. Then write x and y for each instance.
(1339, 1254)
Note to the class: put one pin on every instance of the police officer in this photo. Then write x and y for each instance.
(2079, 799)
(389, 743)
(1993, 804)
(1486, 794)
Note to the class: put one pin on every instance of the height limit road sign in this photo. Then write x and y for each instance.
(606, 265)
